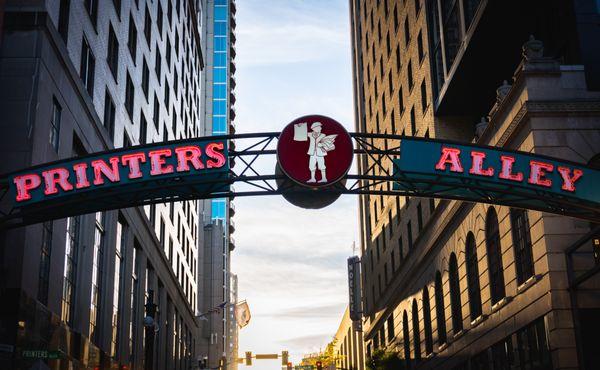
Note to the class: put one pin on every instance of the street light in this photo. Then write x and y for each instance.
(150, 329)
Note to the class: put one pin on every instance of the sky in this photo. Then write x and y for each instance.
(293, 58)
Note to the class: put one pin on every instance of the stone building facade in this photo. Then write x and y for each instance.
(457, 285)
(79, 77)
(349, 345)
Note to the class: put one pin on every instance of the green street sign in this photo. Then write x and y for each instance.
(41, 354)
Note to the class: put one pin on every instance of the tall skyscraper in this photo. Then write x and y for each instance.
(216, 281)
(81, 77)
(456, 285)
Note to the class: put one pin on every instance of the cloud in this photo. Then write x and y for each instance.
(314, 342)
(322, 311)
(290, 31)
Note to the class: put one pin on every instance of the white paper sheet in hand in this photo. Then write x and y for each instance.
(300, 132)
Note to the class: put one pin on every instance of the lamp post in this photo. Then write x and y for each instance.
(149, 328)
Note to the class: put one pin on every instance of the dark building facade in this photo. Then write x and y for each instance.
(456, 285)
(82, 76)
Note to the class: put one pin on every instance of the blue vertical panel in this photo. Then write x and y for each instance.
(220, 84)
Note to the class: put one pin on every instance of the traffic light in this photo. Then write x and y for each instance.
(248, 358)
(284, 358)
(289, 366)
(319, 365)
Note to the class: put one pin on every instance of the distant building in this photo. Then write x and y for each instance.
(456, 285)
(79, 77)
(349, 345)
(217, 94)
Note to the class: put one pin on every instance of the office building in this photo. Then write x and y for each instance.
(219, 333)
(349, 345)
(80, 77)
(457, 285)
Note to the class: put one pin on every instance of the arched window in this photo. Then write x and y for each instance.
(427, 322)
(494, 252)
(439, 310)
(473, 277)
(406, 338)
(522, 244)
(455, 303)
(416, 330)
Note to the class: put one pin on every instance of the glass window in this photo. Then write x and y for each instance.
(113, 53)
(97, 273)
(70, 269)
(118, 282)
(533, 346)
(521, 244)
(439, 309)
(44, 270)
(219, 124)
(220, 107)
(455, 302)
(55, 124)
(220, 59)
(220, 28)
(492, 238)
(63, 19)
(416, 330)
(220, 75)
(220, 13)
(220, 91)
(502, 354)
(390, 327)
(218, 209)
(220, 43)
(91, 6)
(87, 67)
(406, 339)
(427, 321)
(473, 277)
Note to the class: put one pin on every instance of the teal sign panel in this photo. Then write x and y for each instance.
(122, 178)
(492, 175)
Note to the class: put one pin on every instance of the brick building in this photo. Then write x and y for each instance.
(457, 285)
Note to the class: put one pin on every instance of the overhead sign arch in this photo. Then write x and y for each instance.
(203, 168)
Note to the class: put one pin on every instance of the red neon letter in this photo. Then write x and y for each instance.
(213, 150)
(55, 176)
(506, 172)
(101, 168)
(133, 161)
(451, 156)
(157, 161)
(537, 173)
(24, 184)
(477, 166)
(187, 154)
(81, 175)
(568, 180)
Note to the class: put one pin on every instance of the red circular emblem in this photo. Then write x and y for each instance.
(315, 151)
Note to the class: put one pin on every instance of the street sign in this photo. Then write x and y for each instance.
(494, 175)
(315, 151)
(267, 356)
(42, 354)
(354, 306)
(133, 176)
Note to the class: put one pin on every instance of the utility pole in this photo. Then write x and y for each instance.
(149, 326)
